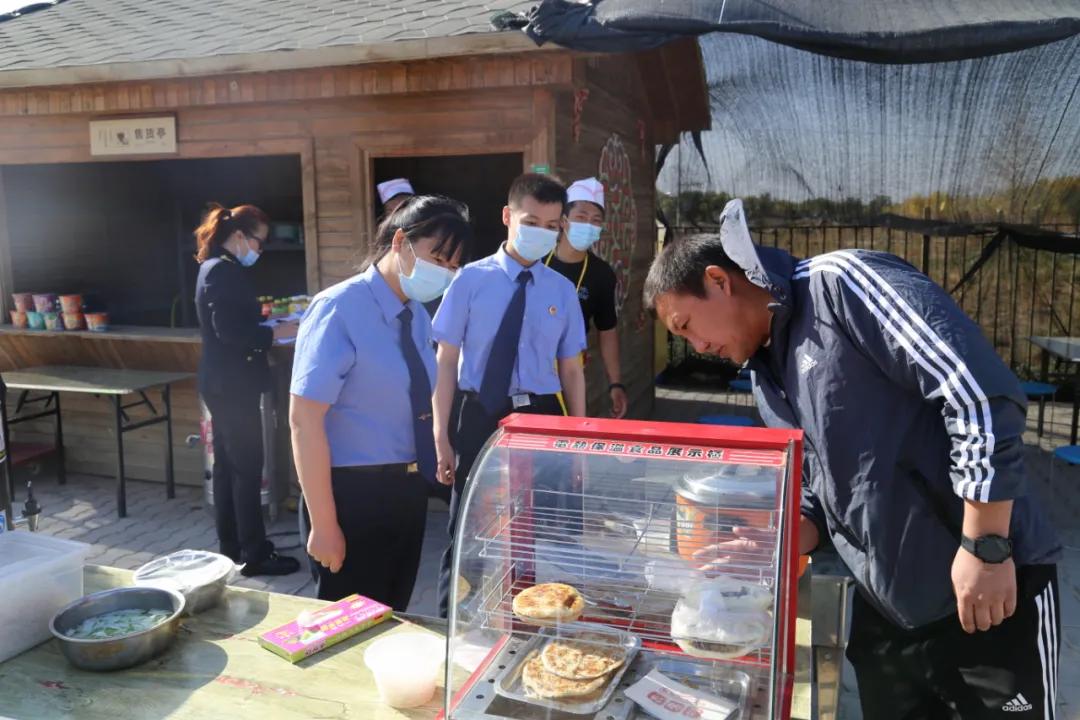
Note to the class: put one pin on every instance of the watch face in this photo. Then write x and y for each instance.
(993, 549)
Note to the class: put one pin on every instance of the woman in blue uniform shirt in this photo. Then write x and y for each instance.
(361, 405)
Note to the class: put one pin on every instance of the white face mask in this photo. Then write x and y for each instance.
(427, 282)
(249, 257)
(582, 236)
(533, 243)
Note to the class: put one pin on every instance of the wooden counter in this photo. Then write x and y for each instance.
(218, 670)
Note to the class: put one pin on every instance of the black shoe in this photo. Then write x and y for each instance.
(272, 564)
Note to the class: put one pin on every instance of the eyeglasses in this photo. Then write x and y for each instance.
(260, 241)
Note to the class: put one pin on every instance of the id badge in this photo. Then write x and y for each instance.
(521, 401)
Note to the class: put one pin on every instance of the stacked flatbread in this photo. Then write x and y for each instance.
(549, 604)
(574, 670)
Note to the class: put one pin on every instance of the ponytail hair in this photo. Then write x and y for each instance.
(427, 216)
(221, 222)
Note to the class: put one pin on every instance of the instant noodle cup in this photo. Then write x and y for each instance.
(35, 320)
(97, 322)
(24, 302)
(74, 321)
(45, 302)
(18, 319)
(71, 304)
(53, 321)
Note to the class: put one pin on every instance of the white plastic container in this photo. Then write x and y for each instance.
(39, 575)
(406, 667)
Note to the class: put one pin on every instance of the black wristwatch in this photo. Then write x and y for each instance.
(992, 549)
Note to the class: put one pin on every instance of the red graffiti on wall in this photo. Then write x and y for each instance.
(616, 245)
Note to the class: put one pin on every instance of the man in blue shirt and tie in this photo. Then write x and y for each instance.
(510, 333)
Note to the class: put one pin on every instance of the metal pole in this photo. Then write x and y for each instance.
(926, 246)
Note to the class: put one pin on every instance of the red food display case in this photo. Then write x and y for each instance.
(681, 541)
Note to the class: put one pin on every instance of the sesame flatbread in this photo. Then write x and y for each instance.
(538, 682)
(584, 658)
(549, 604)
(463, 588)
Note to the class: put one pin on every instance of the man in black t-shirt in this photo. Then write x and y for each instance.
(593, 278)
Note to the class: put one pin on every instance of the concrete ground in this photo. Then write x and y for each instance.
(85, 509)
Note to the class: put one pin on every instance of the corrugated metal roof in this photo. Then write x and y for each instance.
(79, 33)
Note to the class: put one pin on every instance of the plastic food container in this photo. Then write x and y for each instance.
(53, 321)
(41, 575)
(97, 322)
(18, 319)
(198, 575)
(45, 302)
(406, 666)
(71, 303)
(24, 302)
(74, 321)
(710, 504)
(35, 320)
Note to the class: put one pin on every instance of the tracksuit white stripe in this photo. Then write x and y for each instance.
(973, 440)
(1055, 651)
(905, 334)
(1040, 606)
(984, 403)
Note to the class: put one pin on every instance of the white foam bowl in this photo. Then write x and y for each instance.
(406, 667)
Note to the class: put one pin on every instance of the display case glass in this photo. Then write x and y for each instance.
(590, 552)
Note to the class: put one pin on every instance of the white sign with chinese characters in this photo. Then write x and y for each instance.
(133, 136)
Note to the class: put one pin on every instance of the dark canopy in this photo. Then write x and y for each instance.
(913, 31)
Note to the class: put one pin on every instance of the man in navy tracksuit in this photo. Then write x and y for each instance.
(913, 463)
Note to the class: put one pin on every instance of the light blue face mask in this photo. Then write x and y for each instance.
(427, 282)
(582, 236)
(533, 243)
(250, 257)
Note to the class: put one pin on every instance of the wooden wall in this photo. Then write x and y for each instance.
(611, 137)
(337, 120)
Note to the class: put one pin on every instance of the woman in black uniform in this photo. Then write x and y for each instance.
(233, 373)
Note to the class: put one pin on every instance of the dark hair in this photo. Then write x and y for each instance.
(570, 206)
(427, 216)
(221, 222)
(680, 267)
(543, 188)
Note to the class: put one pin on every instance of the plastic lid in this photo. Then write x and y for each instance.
(184, 570)
(741, 485)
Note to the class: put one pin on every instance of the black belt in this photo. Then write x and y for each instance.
(375, 470)
(533, 397)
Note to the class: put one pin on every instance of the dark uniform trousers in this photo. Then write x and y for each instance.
(473, 428)
(237, 475)
(382, 510)
(939, 672)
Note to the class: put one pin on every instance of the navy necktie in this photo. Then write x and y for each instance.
(495, 387)
(419, 398)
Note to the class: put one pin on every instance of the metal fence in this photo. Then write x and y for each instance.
(1018, 293)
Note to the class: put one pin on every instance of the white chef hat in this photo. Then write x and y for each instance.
(392, 188)
(589, 189)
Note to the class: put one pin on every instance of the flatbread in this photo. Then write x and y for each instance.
(463, 588)
(584, 658)
(548, 604)
(538, 682)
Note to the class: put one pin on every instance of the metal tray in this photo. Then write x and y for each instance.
(508, 682)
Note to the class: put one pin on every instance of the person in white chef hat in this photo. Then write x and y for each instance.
(594, 279)
(393, 193)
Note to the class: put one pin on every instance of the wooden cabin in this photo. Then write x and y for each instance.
(117, 129)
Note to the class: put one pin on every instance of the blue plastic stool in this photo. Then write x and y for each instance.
(741, 385)
(1039, 391)
(732, 420)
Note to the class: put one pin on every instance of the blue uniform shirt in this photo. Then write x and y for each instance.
(473, 308)
(348, 354)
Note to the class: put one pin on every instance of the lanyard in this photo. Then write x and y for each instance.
(584, 268)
